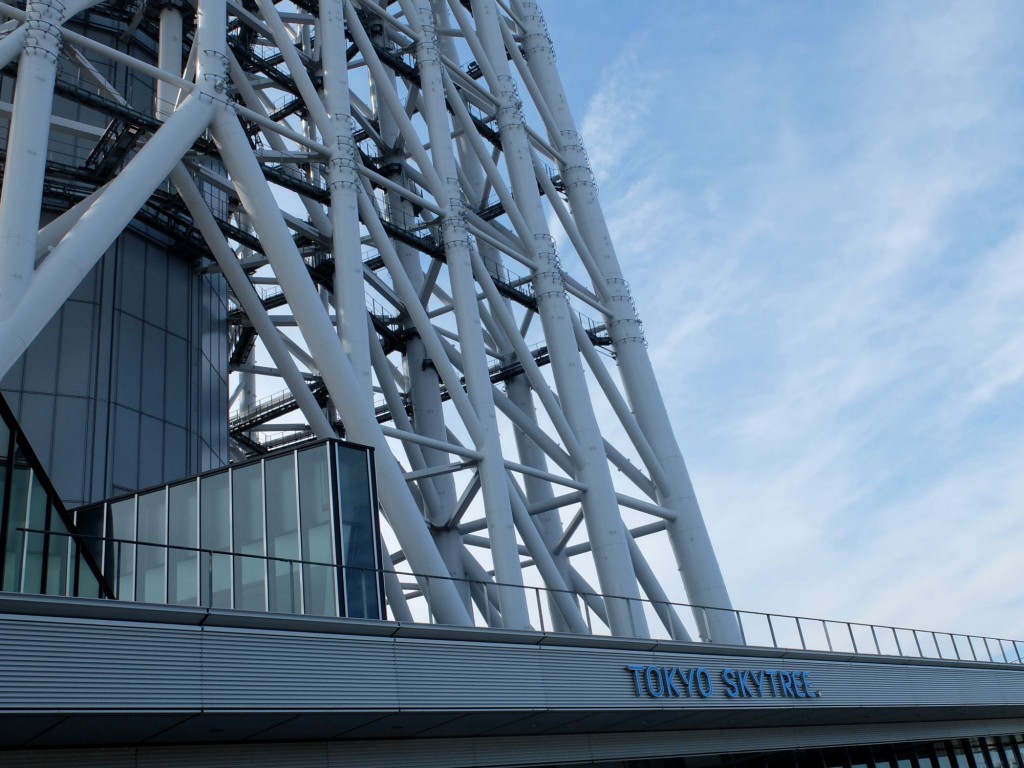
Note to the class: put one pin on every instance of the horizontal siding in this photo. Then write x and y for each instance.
(55, 665)
(252, 669)
(66, 665)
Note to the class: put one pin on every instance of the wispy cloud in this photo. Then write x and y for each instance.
(824, 233)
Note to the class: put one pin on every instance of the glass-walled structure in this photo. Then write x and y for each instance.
(38, 553)
(291, 532)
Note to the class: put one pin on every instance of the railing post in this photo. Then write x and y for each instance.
(896, 637)
(739, 623)
(988, 650)
(874, 636)
(853, 640)
(117, 573)
(209, 578)
(800, 631)
(771, 629)
(956, 650)
(828, 637)
(540, 609)
(917, 641)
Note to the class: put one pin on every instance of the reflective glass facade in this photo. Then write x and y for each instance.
(291, 532)
(38, 553)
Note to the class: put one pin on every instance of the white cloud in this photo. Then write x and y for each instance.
(832, 289)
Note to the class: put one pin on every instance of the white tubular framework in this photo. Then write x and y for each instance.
(366, 177)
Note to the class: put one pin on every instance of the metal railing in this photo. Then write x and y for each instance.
(757, 629)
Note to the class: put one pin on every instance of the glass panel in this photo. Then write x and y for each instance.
(882, 752)
(151, 572)
(20, 482)
(941, 756)
(32, 578)
(995, 753)
(358, 537)
(122, 530)
(215, 534)
(319, 592)
(283, 535)
(247, 513)
(57, 560)
(904, 756)
(924, 756)
(956, 751)
(1010, 753)
(89, 523)
(183, 531)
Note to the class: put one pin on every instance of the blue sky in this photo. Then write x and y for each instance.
(819, 208)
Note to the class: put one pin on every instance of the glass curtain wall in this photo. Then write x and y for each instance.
(41, 552)
(293, 532)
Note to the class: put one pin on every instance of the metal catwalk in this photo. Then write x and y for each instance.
(382, 186)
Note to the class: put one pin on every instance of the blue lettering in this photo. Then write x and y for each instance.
(636, 669)
(798, 686)
(655, 690)
(688, 678)
(744, 688)
(806, 679)
(786, 680)
(759, 677)
(670, 685)
(704, 685)
(729, 678)
(675, 682)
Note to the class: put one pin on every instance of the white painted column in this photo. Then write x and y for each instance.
(604, 524)
(494, 484)
(688, 534)
(349, 291)
(341, 379)
(24, 171)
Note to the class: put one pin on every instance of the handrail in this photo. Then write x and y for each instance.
(783, 631)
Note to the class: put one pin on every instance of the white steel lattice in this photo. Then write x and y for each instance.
(365, 177)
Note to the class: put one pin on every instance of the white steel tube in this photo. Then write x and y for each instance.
(494, 484)
(72, 258)
(341, 379)
(251, 303)
(604, 524)
(349, 291)
(24, 171)
(695, 556)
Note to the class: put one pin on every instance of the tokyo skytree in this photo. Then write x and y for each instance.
(234, 225)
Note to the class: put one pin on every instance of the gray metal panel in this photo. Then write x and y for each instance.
(59, 666)
(436, 674)
(253, 670)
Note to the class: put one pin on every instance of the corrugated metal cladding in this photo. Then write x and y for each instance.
(89, 665)
(65, 664)
(496, 752)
